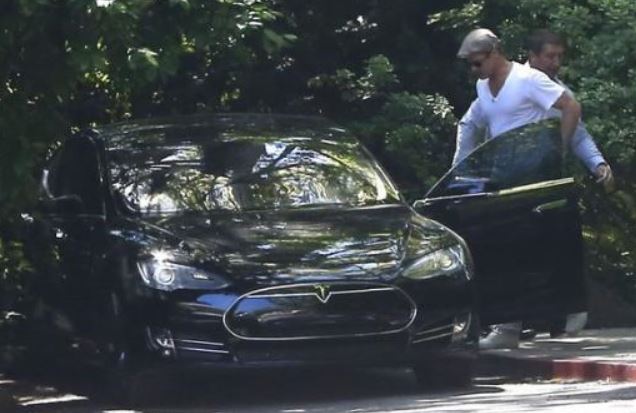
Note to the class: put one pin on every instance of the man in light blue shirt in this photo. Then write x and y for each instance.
(545, 53)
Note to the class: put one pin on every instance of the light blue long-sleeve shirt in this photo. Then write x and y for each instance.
(468, 131)
(582, 144)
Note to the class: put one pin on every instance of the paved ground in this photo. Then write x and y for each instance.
(607, 354)
(370, 391)
(536, 377)
(608, 345)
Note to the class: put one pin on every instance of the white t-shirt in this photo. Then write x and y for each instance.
(525, 97)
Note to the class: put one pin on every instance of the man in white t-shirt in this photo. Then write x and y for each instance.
(509, 96)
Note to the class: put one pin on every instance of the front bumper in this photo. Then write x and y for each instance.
(399, 326)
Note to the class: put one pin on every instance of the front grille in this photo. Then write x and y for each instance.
(310, 311)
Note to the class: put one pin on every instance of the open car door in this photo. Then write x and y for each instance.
(511, 203)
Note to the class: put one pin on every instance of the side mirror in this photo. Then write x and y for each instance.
(62, 205)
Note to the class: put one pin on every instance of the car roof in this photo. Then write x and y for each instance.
(227, 125)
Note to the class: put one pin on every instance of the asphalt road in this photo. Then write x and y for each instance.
(359, 391)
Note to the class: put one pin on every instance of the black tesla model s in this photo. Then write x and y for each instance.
(262, 240)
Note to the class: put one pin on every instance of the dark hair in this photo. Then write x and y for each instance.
(540, 38)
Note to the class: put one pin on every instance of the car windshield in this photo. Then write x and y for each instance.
(164, 171)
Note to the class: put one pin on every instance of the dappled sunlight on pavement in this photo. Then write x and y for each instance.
(361, 391)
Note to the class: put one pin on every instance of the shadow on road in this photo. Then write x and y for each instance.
(280, 390)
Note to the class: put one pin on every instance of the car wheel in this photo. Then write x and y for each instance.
(444, 372)
(126, 382)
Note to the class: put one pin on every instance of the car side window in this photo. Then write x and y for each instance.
(520, 157)
(74, 170)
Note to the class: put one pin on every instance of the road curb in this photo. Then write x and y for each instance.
(550, 369)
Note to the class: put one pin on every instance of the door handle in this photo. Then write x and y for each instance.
(539, 209)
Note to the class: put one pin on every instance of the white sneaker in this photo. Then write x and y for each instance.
(575, 322)
(502, 336)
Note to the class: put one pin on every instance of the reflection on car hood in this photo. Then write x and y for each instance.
(306, 245)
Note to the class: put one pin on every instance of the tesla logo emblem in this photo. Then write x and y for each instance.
(322, 293)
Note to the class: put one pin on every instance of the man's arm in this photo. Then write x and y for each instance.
(467, 129)
(586, 150)
(584, 147)
(582, 144)
(549, 94)
(570, 117)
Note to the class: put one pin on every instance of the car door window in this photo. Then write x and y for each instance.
(74, 170)
(520, 157)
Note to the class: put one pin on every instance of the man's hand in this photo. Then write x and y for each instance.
(604, 176)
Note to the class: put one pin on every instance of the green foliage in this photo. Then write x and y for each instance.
(408, 130)
(470, 14)
(419, 134)
(380, 74)
(378, 79)
(14, 270)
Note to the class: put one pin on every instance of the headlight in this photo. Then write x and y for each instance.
(168, 276)
(441, 262)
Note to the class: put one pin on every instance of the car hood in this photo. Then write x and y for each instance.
(371, 243)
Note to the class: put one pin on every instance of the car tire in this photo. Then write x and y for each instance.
(127, 382)
(444, 372)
